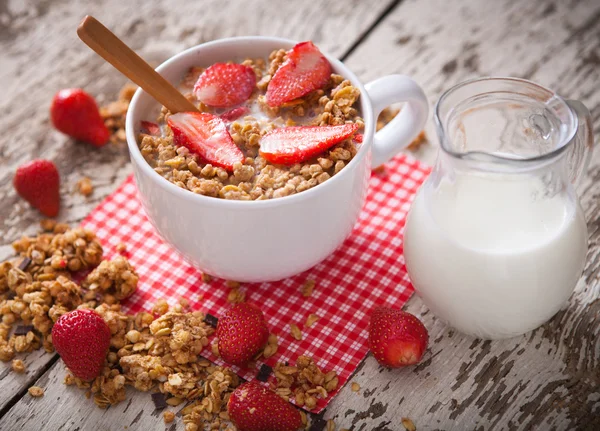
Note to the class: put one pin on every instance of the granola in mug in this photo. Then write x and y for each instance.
(267, 128)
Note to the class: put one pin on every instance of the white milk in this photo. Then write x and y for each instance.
(493, 256)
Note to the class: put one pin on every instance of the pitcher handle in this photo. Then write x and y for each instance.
(581, 150)
(400, 132)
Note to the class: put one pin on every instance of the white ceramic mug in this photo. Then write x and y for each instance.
(271, 239)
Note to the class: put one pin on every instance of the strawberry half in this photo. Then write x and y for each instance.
(242, 332)
(38, 182)
(82, 339)
(75, 113)
(225, 84)
(304, 70)
(396, 338)
(289, 145)
(252, 407)
(206, 135)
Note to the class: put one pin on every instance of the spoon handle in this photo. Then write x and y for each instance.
(113, 50)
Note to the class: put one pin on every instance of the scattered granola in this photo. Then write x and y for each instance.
(18, 366)
(355, 387)
(304, 419)
(36, 391)
(85, 187)
(418, 141)
(304, 382)
(310, 320)
(114, 114)
(387, 115)
(330, 425)
(121, 248)
(206, 278)
(168, 417)
(38, 290)
(214, 347)
(271, 347)
(408, 424)
(48, 225)
(111, 281)
(162, 353)
(150, 352)
(232, 284)
(235, 296)
(307, 288)
(380, 170)
(295, 331)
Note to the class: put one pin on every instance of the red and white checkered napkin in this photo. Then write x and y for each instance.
(367, 270)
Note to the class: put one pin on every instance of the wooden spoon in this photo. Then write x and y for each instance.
(113, 50)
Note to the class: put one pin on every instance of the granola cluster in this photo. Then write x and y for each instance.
(160, 352)
(37, 288)
(111, 281)
(257, 179)
(157, 351)
(305, 382)
(114, 114)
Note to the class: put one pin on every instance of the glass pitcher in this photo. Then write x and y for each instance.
(496, 239)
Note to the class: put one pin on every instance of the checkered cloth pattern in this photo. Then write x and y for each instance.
(366, 271)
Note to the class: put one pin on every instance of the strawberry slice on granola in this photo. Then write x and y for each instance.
(235, 113)
(223, 85)
(289, 145)
(150, 128)
(206, 135)
(304, 70)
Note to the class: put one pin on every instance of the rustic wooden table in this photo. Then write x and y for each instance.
(548, 379)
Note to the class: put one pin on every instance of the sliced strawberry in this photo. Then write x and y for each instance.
(225, 84)
(206, 135)
(289, 145)
(304, 70)
(358, 138)
(235, 113)
(150, 128)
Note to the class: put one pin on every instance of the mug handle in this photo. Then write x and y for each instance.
(405, 127)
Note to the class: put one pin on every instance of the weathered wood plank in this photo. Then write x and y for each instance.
(40, 53)
(547, 379)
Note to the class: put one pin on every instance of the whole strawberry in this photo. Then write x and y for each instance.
(75, 113)
(82, 339)
(242, 332)
(396, 338)
(252, 407)
(38, 183)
